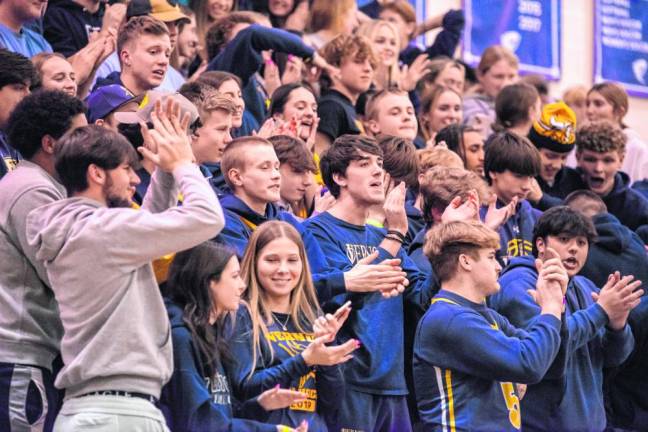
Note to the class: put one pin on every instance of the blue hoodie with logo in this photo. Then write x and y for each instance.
(572, 401)
(241, 220)
(516, 235)
(193, 402)
(467, 358)
(285, 366)
(378, 366)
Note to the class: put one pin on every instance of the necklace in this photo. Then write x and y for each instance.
(278, 321)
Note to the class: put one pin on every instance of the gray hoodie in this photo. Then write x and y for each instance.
(30, 328)
(98, 260)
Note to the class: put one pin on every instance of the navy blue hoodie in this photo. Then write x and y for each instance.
(624, 202)
(516, 235)
(241, 220)
(617, 248)
(466, 359)
(573, 401)
(378, 366)
(286, 367)
(628, 205)
(553, 195)
(626, 395)
(193, 402)
(67, 25)
(242, 57)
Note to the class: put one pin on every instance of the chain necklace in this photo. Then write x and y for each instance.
(284, 325)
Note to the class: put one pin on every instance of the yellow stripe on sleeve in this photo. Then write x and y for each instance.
(448, 378)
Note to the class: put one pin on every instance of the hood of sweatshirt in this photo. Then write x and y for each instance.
(236, 205)
(419, 240)
(175, 313)
(621, 183)
(612, 235)
(522, 262)
(49, 226)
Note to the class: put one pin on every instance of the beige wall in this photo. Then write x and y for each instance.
(577, 50)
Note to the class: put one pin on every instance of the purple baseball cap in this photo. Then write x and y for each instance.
(107, 99)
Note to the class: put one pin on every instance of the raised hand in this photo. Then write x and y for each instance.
(168, 143)
(293, 71)
(278, 398)
(318, 354)
(386, 277)
(395, 216)
(618, 297)
(551, 284)
(496, 217)
(462, 211)
(330, 324)
(412, 74)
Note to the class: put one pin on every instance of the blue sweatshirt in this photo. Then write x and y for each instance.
(241, 220)
(286, 367)
(192, 401)
(466, 359)
(616, 248)
(553, 195)
(516, 235)
(624, 202)
(242, 57)
(378, 366)
(573, 401)
(415, 223)
(445, 42)
(626, 397)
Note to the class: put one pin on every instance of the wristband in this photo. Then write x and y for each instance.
(394, 238)
(397, 234)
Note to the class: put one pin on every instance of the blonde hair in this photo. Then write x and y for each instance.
(369, 30)
(215, 101)
(304, 307)
(446, 241)
(329, 15)
(235, 155)
(438, 156)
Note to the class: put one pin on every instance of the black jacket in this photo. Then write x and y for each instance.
(67, 25)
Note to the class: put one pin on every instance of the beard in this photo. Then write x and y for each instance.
(113, 200)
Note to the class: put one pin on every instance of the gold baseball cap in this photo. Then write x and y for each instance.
(164, 10)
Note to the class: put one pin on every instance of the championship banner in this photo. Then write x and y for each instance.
(621, 44)
(529, 28)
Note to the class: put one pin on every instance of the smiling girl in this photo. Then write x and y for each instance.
(205, 288)
(281, 339)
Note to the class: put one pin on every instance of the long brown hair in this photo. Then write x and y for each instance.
(304, 307)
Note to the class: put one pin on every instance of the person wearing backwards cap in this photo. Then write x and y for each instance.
(129, 121)
(104, 102)
(554, 134)
(170, 14)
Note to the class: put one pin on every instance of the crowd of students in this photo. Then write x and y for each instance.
(288, 215)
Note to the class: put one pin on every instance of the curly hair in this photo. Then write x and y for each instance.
(601, 137)
(44, 112)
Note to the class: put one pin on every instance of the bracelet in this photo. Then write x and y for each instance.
(394, 238)
(397, 234)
